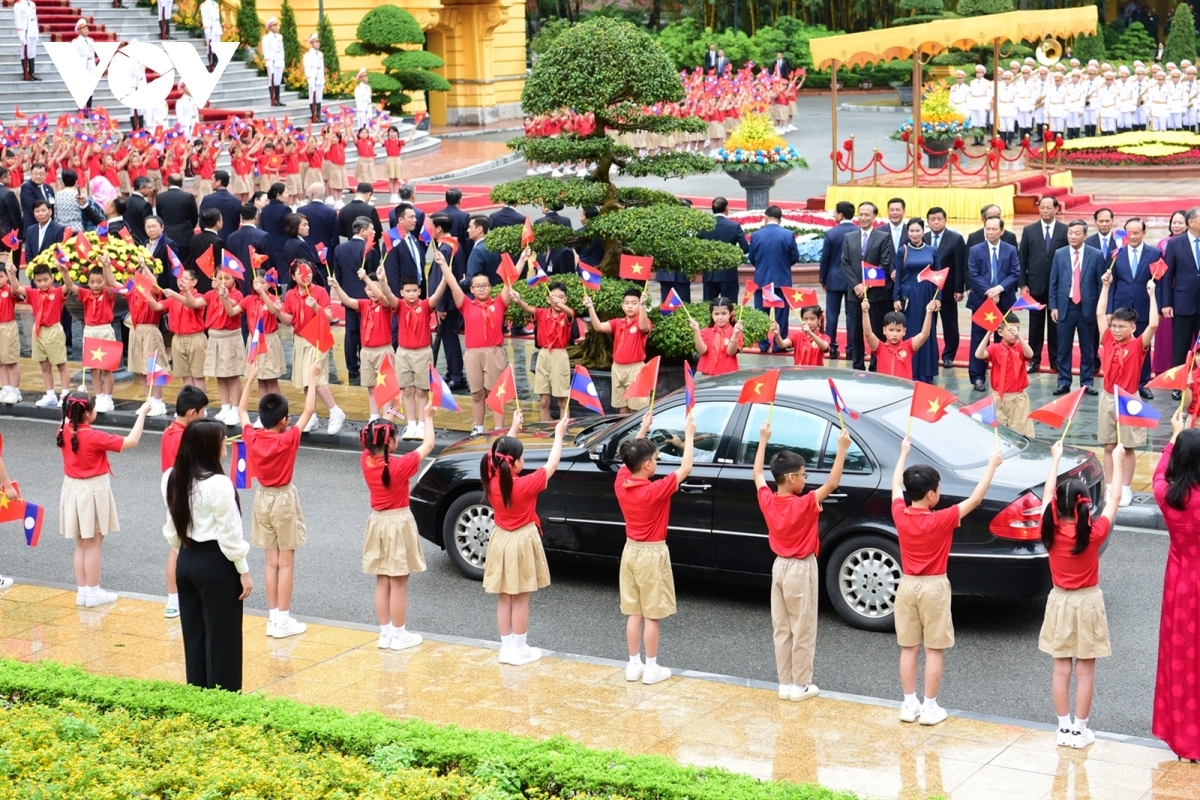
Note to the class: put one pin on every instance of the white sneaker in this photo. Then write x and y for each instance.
(653, 673)
(337, 418)
(506, 654)
(104, 404)
(1064, 737)
(49, 400)
(555, 173)
(80, 599)
(224, 417)
(531, 171)
(804, 692)
(524, 655)
(633, 672)
(5, 583)
(258, 424)
(270, 628)
(171, 612)
(785, 691)
(406, 640)
(100, 598)
(408, 432)
(328, 201)
(476, 430)
(1082, 738)
(290, 628)
(15, 395)
(419, 431)
(6, 395)
(385, 641)
(312, 424)
(1126, 497)
(393, 198)
(157, 408)
(581, 172)
(932, 715)
(910, 711)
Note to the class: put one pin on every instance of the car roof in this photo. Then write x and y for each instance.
(862, 391)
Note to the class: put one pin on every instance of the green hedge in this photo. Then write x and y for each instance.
(555, 767)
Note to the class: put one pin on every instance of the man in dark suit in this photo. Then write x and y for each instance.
(1074, 293)
(448, 313)
(35, 188)
(323, 223)
(710, 58)
(781, 67)
(247, 236)
(272, 218)
(866, 245)
(177, 209)
(976, 236)
(44, 232)
(993, 270)
(208, 239)
(558, 261)
(1181, 287)
(1039, 242)
(408, 194)
(1104, 240)
(346, 262)
(951, 251)
(407, 256)
(459, 220)
(1130, 274)
(10, 215)
(361, 206)
(724, 282)
(506, 216)
(225, 202)
(482, 259)
(138, 208)
(831, 277)
(157, 243)
(593, 253)
(773, 251)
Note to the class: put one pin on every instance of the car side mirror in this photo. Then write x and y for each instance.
(603, 452)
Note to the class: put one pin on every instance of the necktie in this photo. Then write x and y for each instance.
(1133, 262)
(1196, 248)
(864, 247)
(1104, 247)
(412, 251)
(995, 261)
(937, 237)
(1047, 238)
(1076, 293)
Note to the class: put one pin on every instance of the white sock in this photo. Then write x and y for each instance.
(1081, 724)
(372, 417)
(931, 702)
(93, 591)
(651, 662)
(273, 616)
(172, 601)
(519, 639)
(385, 630)
(910, 699)
(399, 630)
(635, 660)
(284, 616)
(508, 642)
(1064, 723)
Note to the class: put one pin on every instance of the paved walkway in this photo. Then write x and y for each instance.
(841, 742)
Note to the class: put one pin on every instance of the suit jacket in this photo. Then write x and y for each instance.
(979, 274)
(399, 262)
(830, 273)
(977, 236)
(296, 248)
(1094, 241)
(1128, 287)
(230, 208)
(507, 216)
(879, 253)
(54, 234)
(710, 60)
(179, 215)
(201, 243)
(10, 215)
(353, 210)
(347, 260)
(136, 211)
(322, 226)
(240, 242)
(773, 251)
(29, 193)
(165, 278)
(1181, 290)
(271, 218)
(1091, 268)
(487, 262)
(446, 303)
(418, 213)
(951, 255)
(459, 220)
(1036, 260)
(729, 232)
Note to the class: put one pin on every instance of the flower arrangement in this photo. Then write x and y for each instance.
(940, 121)
(755, 146)
(1135, 148)
(809, 228)
(124, 257)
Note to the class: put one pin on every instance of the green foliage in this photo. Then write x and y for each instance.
(919, 11)
(1134, 45)
(543, 191)
(384, 27)
(1112, 33)
(676, 164)
(768, 41)
(328, 46)
(1181, 40)
(546, 236)
(551, 29)
(668, 233)
(567, 147)
(1089, 47)
(249, 28)
(385, 30)
(977, 8)
(255, 723)
(684, 43)
(291, 37)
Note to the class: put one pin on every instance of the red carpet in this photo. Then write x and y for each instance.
(1145, 208)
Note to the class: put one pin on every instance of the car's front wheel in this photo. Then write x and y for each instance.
(861, 577)
(465, 532)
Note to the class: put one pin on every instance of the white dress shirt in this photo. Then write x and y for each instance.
(215, 517)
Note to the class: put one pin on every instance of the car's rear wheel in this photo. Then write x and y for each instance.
(861, 577)
(465, 532)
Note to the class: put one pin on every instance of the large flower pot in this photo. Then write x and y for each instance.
(938, 152)
(757, 184)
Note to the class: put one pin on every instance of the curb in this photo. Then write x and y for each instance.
(481, 132)
(876, 109)
(475, 169)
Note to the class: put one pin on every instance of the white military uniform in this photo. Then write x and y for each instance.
(1056, 104)
(165, 9)
(1026, 96)
(979, 102)
(186, 113)
(272, 52)
(1127, 102)
(1178, 102)
(1091, 97)
(1193, 96)
(158, 115)
(1006, 107)
(25, 16)
(362, 105)
(959, 95)
(314, 71)
(1159, 98)
(210, 19)
(1142, 117)
(1076, 99)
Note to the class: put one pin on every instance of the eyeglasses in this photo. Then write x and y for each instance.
(484, 288)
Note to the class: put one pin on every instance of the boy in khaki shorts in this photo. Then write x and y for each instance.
(186, 322)
(647, 584)
(414, 353)
(922, 608)
(49, 338)
(10, 341)
(553, 327)
(630, 334)
(1008, 359)
(483, 332)
(98, 297)
(277, 523)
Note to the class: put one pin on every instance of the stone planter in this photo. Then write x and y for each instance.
(906, 95)
(757, 184)
(938, 152)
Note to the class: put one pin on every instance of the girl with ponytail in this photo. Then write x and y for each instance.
(1075, 628)
(516, 564)
(392, 547)
(86, 509)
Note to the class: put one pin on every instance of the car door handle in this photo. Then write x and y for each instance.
(695, 488)
(836, 497)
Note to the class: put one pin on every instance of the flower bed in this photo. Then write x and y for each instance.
(1135, 149)
(809, 227)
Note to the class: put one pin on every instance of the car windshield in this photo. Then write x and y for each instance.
(955, 440)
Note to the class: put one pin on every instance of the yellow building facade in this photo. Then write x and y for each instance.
(481, 41)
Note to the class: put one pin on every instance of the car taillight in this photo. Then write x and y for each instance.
(1021, 519)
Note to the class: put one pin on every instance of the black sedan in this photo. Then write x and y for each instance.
(716, 530)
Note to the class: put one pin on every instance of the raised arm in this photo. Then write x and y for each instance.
(135, 433)
(835, 473)
(560, 430)
(603, 326)
(1110, 509)
(347, 300)
(1152, 325)
(689, 450)
(1050, 488)
(760, 457)
(514, 298)
(972, 502)
(898, 472)
(697, 340)
(244, 401)
(868, 334)
(427, 442)
(1102, 305)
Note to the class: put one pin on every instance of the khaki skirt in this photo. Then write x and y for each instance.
(242, 184)
(304, 355)
(226, 354)
(10, 343)
(86, 506)
(516, 562)
(392, 546)
(271, 364)
(364, 170)
(393, 168)
(1075, 625)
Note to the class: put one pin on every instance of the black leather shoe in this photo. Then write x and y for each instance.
(1176, 395)
(948, 362)
(458, 386)
(977, 386)
(1090, 391)
(354, 378)
(833, 353)
(1054, 366)
(1062, 390)
(1145, 393)
(1032, 367)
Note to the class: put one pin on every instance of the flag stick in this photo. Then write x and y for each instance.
(1066, 428)
(653, 392)
(841, 422)
(996, 430)
(908, 433)
(770, 411)
(1117, 413)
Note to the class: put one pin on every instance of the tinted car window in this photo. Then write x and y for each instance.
(955, 440)
(666, 431)
(791, 429)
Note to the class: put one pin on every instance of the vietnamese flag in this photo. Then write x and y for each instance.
(1158, 269)
(930, 403)
(988, 316)
(507, 270)
(451, 242)
(1174, 379)
(636, 268)
(1058, 412)
(751, 288)
(800, 298)
(257, 260)
(12, 510)
(760, 389)
(504, 390)
(935, 276)
(204, 261)
(387, 386)
(102, 354)
(527, 232)
(646, 381)
(83, 246)
(317, 333)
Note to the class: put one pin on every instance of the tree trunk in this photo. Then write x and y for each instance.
(655, 16)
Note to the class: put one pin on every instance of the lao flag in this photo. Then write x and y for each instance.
(426, 231)
(155, 375)
(239, 467)
(935, 276)
(230, 264)
(12, 240)
(102, 231)
(539, 276)
(257, 346)
(689, 387)
(1026, 303)
(1133, 412)
(583, 390)
(439, 392)
(271, 276)
(33, 523)
(394, 236)
(839, 402)
(983, 411)
(176, 264)
(671, 304)
(873, 276)
(770, 299)
(590, 276)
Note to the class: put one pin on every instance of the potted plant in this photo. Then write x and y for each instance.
(756, 157)
(941, 126)
(124, 257)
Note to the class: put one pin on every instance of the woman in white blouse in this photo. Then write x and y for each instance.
(205, 527)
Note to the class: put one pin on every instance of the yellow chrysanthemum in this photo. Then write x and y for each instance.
(755, 131)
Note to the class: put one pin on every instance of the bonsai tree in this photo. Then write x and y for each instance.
(328, 45)
(249, 28)
(1181, 40)
(384, 31)
(614, 72)
(291, 37)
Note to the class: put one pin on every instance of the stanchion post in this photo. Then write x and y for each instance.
(875, 168)
(833, 81)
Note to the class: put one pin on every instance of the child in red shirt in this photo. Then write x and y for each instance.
(225, 357)
(313, 168)
(414, 355)
(364, 168)
(922, 606)
(1075, 628)
(393, 170)
(277, 522)
(1008, 358)
(186, 322)
(647, 584)
(10, 341)
(333, 169)
(894, 354)
(630, 334)
(88, 512)
(49, 338)
(553, 327)
(190, 405)
(1121, 357)
(376, 313)
(516, 564)
(392, 547)
(793, 535)
(483, 333)
(718, 344)
(809, 346)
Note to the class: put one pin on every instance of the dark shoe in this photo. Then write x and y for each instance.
(1032, 367)
(458, 386)
(1090, 391)
(1062, 390)
(1176, 395)
(978, 386)
(948, 362)
(833, 353)
(1054, 366)
(1145, 393)
(353, 377)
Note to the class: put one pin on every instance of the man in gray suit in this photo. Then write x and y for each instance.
(872, 247)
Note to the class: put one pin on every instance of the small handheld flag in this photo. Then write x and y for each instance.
(12, 240)
(1133, 412)
(770, 299)
(1158, 269)
(590, 276)
(176, 264)
(102, 231)
(689, 387)
(33, 523)
(1026, 303)
(983, 411)
(751, 288)
(102, 354)
(257, 259)
(156, 375)
(204, 261)
(257, 346)
(646, 381)
(636, 268)
(935, 276)
(426, 236)
(450, 242)
(1175, 379)
(317, 333)
(83, 246)
(240, 466)
(507, 270)
(583, 390)
(539, 276)
(930, 403)
(12, 510)
(391, 238)
(988, 316)
(504, 390)
(672, 303)
(527, 233)
(1059, 411)
(387, 385)
(231, 264)
(800, 298)
(760, 389)
(839, 403)
(323, 251)
(873, 276)
(439, 392)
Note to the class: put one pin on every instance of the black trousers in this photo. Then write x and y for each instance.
(715, 289)
(353, 339)
(210, 614)
(1183, 332)
(949, 319)
(1042, 329)
(452, 346)
(835, 301)
(875, 315)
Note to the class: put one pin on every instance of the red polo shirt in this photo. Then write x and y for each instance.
(1121, 362)
(47, 306)
(399, 467)
(97, 306)
(170, 444)
(523, 510)
(553, 328)
(645, 504)
(376, 323)
(629, 343)
(414, 325)
(1077, 571)
(272, 454)
(925, 537)
(895, 359)
(182, 320)
(791, 523)
(92, 458)
(806, 352)
(1008, 367)
(217, 318)
(717, 360)
(483, 322)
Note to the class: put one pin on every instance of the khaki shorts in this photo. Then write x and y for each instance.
(277, 523)
(483, 367)
(1106, 425)
(309, 176)
(622, 376)
(226, 354)
(188, 352)
(372, 359)
(143, 341)
(294, 185)
(923, 612)
(304, 355)
(1012, 410)
(265, 181)
(10, 343)
(1075, 625)
(412, 367)
(50, 344)
(393, 170)
(103, 332)
(553, 373)
(271, 364)
(647, 584)
(241, 184)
